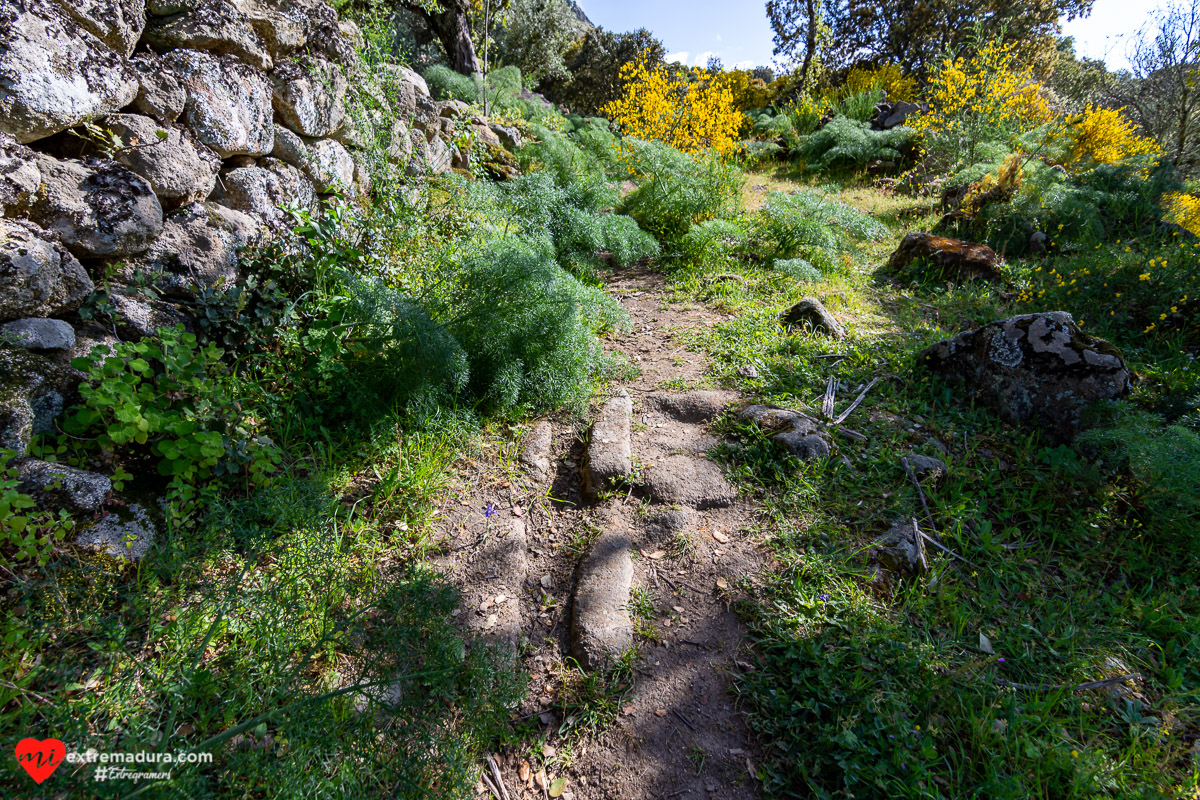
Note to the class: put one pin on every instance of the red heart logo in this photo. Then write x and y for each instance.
(40, 759)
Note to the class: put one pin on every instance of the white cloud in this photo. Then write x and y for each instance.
(681, 57)
(702, 59)
(744, 65)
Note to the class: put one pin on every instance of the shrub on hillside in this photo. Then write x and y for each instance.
(848, 144)
(594, 66)
(676, 191)
(692, 111)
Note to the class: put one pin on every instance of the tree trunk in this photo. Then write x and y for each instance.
(810, 45)
(453, 30)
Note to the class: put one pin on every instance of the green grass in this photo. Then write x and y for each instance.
(1080, 570)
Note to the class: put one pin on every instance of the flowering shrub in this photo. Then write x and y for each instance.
(986, 96)
(1105, 136)
(748, 91)
(691, 112)
(889, 78)
(1183, 210)
(806, 112)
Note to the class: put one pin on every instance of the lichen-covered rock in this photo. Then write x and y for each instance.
(954, 259)
(199, 247)
(38, 276)
(263, 191)
(19, 177)
(38, 334)
(811, 313)
(177, 168)
(216, 26)
(54, 74)
(96, 207)
(126, 534)
(440, 157)
(59, 486)
(138, 316)
(228, 103)
(801, 435)
(34, 390)
(283, 31)
(1033, 369)
(902, 551)
(117, 23)
(509, 137)
(310, 96)
(160, 95)
(927, 468)
(290, 148)
(330, 166)
(601, 628)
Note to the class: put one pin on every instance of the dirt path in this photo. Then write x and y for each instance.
(667, 549)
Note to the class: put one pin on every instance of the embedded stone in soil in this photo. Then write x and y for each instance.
(609, 455)
(495, 608)
(535, 454)
(601, 628)
(697, 406)
(687, 481)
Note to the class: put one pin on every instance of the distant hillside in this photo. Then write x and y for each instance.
(578, 12)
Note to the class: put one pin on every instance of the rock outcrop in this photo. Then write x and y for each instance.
(1036, 369)
(953, 259)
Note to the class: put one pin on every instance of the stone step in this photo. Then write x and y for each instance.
(535, 451)
(601, 628)
(689, 481)
(494, 607)
(609, 456)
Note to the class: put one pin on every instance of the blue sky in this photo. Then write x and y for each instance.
(738, 33)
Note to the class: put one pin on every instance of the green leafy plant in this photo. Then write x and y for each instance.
(26, 534)
(170, 400)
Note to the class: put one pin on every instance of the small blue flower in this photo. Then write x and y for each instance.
(824, 598)
(489, 510)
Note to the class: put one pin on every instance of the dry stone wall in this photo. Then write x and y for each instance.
(225, 109)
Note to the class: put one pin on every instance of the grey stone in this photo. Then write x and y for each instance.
(281, 27)
(330, 166)
(440, 157)
(199, 247)
(811, 313)
(772, 418)
(609, 455)
(262, 193)
(38, 334)
(178, 169)
(229, 106)
(126, 534)
(453, 109)
(19, 177)
(96, 207)
(34, 390)
(413, 79)
(902, 551)
(804, 446)
(535, 452)
(215, 26)
(291, 149)
(927, 467)
(505, 560)
(601, 628)
(667, 523)
(1038, 369)
(508, 136)
(697, 406)
(900, 114)
(159, 95)
(139, 317)
(749, 371)
(59, 486)
(310, 96)
(54, 74)
(38, 276)
(117, 23)
(689, 481)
